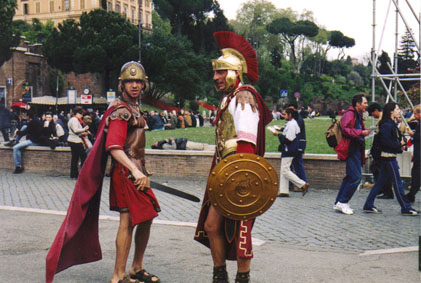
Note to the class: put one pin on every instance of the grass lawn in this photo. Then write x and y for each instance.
(315, 131)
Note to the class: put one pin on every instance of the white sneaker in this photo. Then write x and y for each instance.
(347, 204)
(344, 208)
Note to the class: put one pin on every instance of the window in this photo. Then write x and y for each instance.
(125, 11)
(66, 5)
(133, 12)
(37, 7)
(25, 9)
(109, 6)
(147, 18)
(82, 4)
(51, 6)
(117, 7)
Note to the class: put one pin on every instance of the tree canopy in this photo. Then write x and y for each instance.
(8, 38)
(290, 31)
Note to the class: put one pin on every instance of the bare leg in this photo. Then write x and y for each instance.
(243, 264)
(141, 241)
(123, 242)
(216, 238)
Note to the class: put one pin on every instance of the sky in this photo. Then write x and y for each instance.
(354, 18)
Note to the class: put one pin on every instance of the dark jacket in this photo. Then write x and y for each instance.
(47, 135)
(416, 141)
(4, 117)
(33, 131)
(302, 135)
(390, 137)
(155, 122)
(179, 143)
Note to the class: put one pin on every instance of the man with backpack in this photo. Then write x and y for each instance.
(351, 148)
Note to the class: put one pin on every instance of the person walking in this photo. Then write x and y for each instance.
(390, 145)
(375, 111)
(289, 140)
(416, 141)
(4, 121)
(122, 134)
(297, 163)
(76, 141)
(352, 149)
(240, 128)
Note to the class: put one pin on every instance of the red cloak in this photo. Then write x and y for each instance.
(77, 240)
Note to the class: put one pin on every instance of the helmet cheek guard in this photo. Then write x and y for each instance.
(233, 62)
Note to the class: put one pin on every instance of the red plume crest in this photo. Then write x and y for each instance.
(227, 39)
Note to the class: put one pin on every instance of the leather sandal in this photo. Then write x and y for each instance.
(242, 277)
(127, 279)
(305, 188)
(220, 274)
(145, 276)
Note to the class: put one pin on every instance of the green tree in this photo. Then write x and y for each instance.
(7, 37)
(35, 32)
(196, 19)
(407, 62)
(290, 31)
(101, 42)
(339, 40)
(173, 67)
(252, 19)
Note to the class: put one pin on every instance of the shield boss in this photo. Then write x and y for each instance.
(242, 186)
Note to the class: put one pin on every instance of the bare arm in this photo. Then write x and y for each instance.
(140, 179)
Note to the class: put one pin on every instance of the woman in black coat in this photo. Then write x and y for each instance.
(390, 143)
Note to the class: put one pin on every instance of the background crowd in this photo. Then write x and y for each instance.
(77, 129)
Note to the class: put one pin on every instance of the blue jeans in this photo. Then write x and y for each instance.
(18, 137)
(389, 170)
(17, 155)
(352, 178)
(298, 167)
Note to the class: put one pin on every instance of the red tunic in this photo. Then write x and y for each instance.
(124, 196)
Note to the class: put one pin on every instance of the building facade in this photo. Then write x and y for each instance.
(27, 77)
(61, 10)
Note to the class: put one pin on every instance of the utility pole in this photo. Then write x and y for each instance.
(140, 30)
(57, 94)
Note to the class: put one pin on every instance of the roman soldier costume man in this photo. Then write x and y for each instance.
(240, 128)
(121, 135)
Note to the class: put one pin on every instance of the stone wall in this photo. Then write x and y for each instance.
(324, 171)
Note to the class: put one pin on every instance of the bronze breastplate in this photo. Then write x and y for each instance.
(225, 133)
(134, 146)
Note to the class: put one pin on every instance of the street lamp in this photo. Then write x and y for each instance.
(140, 30)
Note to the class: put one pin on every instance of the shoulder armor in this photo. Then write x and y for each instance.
(121, 112)
(244, 96)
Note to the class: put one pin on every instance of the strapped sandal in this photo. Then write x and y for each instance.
(146, 277)
(220, 274)
(242, 277)
(127, 279)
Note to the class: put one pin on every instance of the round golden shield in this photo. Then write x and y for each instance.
(242, 186)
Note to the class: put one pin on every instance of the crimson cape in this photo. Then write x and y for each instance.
(77, 240)
(264, 118)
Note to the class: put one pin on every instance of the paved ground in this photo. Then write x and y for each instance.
(304, 240)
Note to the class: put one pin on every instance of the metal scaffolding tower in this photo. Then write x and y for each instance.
(396, 78)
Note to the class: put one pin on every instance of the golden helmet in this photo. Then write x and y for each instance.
(238, 57)
(133, 71)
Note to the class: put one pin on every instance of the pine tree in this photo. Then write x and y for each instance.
(408, 48)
